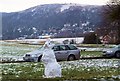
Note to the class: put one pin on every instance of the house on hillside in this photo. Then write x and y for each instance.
(106, 39)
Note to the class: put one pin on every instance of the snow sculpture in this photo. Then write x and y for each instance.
(52, 68)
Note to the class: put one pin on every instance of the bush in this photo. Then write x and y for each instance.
(91, 38)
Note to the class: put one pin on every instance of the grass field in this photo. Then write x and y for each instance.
(14, 51)
(80, 69)
(90, 69)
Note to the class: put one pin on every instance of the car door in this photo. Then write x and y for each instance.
(57, 52)
(61, 52)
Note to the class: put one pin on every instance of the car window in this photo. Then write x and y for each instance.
(119, 46)
(72, 47)
(56, 48)
(63, 47)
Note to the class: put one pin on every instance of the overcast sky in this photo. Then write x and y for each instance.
(18, 5)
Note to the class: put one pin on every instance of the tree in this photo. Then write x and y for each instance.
(91, 38)
(112, 15)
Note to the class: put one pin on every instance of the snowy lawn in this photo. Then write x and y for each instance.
(91, 54)
(14, 51)
(11, 51)
(81, 69)
(97, 69)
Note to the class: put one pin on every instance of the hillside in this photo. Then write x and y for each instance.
(58, 20)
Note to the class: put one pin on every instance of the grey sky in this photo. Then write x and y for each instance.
(18, 5)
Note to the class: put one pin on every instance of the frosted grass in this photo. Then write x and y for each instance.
(70, 69)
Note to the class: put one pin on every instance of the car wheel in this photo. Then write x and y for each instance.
(117, 54)
(39, 58)
(71, 57)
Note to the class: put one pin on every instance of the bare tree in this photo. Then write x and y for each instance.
(112, 16)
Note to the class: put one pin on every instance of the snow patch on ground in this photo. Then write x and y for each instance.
(91, 63)
(59, 40)
(92, 49)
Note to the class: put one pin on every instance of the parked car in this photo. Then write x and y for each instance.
(62, 52)
(113, 52)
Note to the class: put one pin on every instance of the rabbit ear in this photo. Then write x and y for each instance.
(48, 40)
(47, 43)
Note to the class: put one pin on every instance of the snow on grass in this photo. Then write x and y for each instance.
(92, 63)
(15, 51)
(79, 69)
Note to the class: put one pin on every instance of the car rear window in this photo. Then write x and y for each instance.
(72, 47)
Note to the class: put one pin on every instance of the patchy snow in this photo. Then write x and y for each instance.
(74, 24)
(33, 10)
(98, 63)
(93, 11)
(64, 7)
(67, 6)
(34, 13)
(34, 29)
(19, 30)
(92, 49)
(86, 23)
(83, 10)
(59, 40)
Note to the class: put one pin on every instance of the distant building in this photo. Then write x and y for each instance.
(106, 39)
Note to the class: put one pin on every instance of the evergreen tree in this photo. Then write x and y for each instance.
(91, 38)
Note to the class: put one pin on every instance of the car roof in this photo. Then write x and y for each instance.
(63, 44)
(59, 44)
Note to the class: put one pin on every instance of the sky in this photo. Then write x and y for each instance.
(19, 5)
